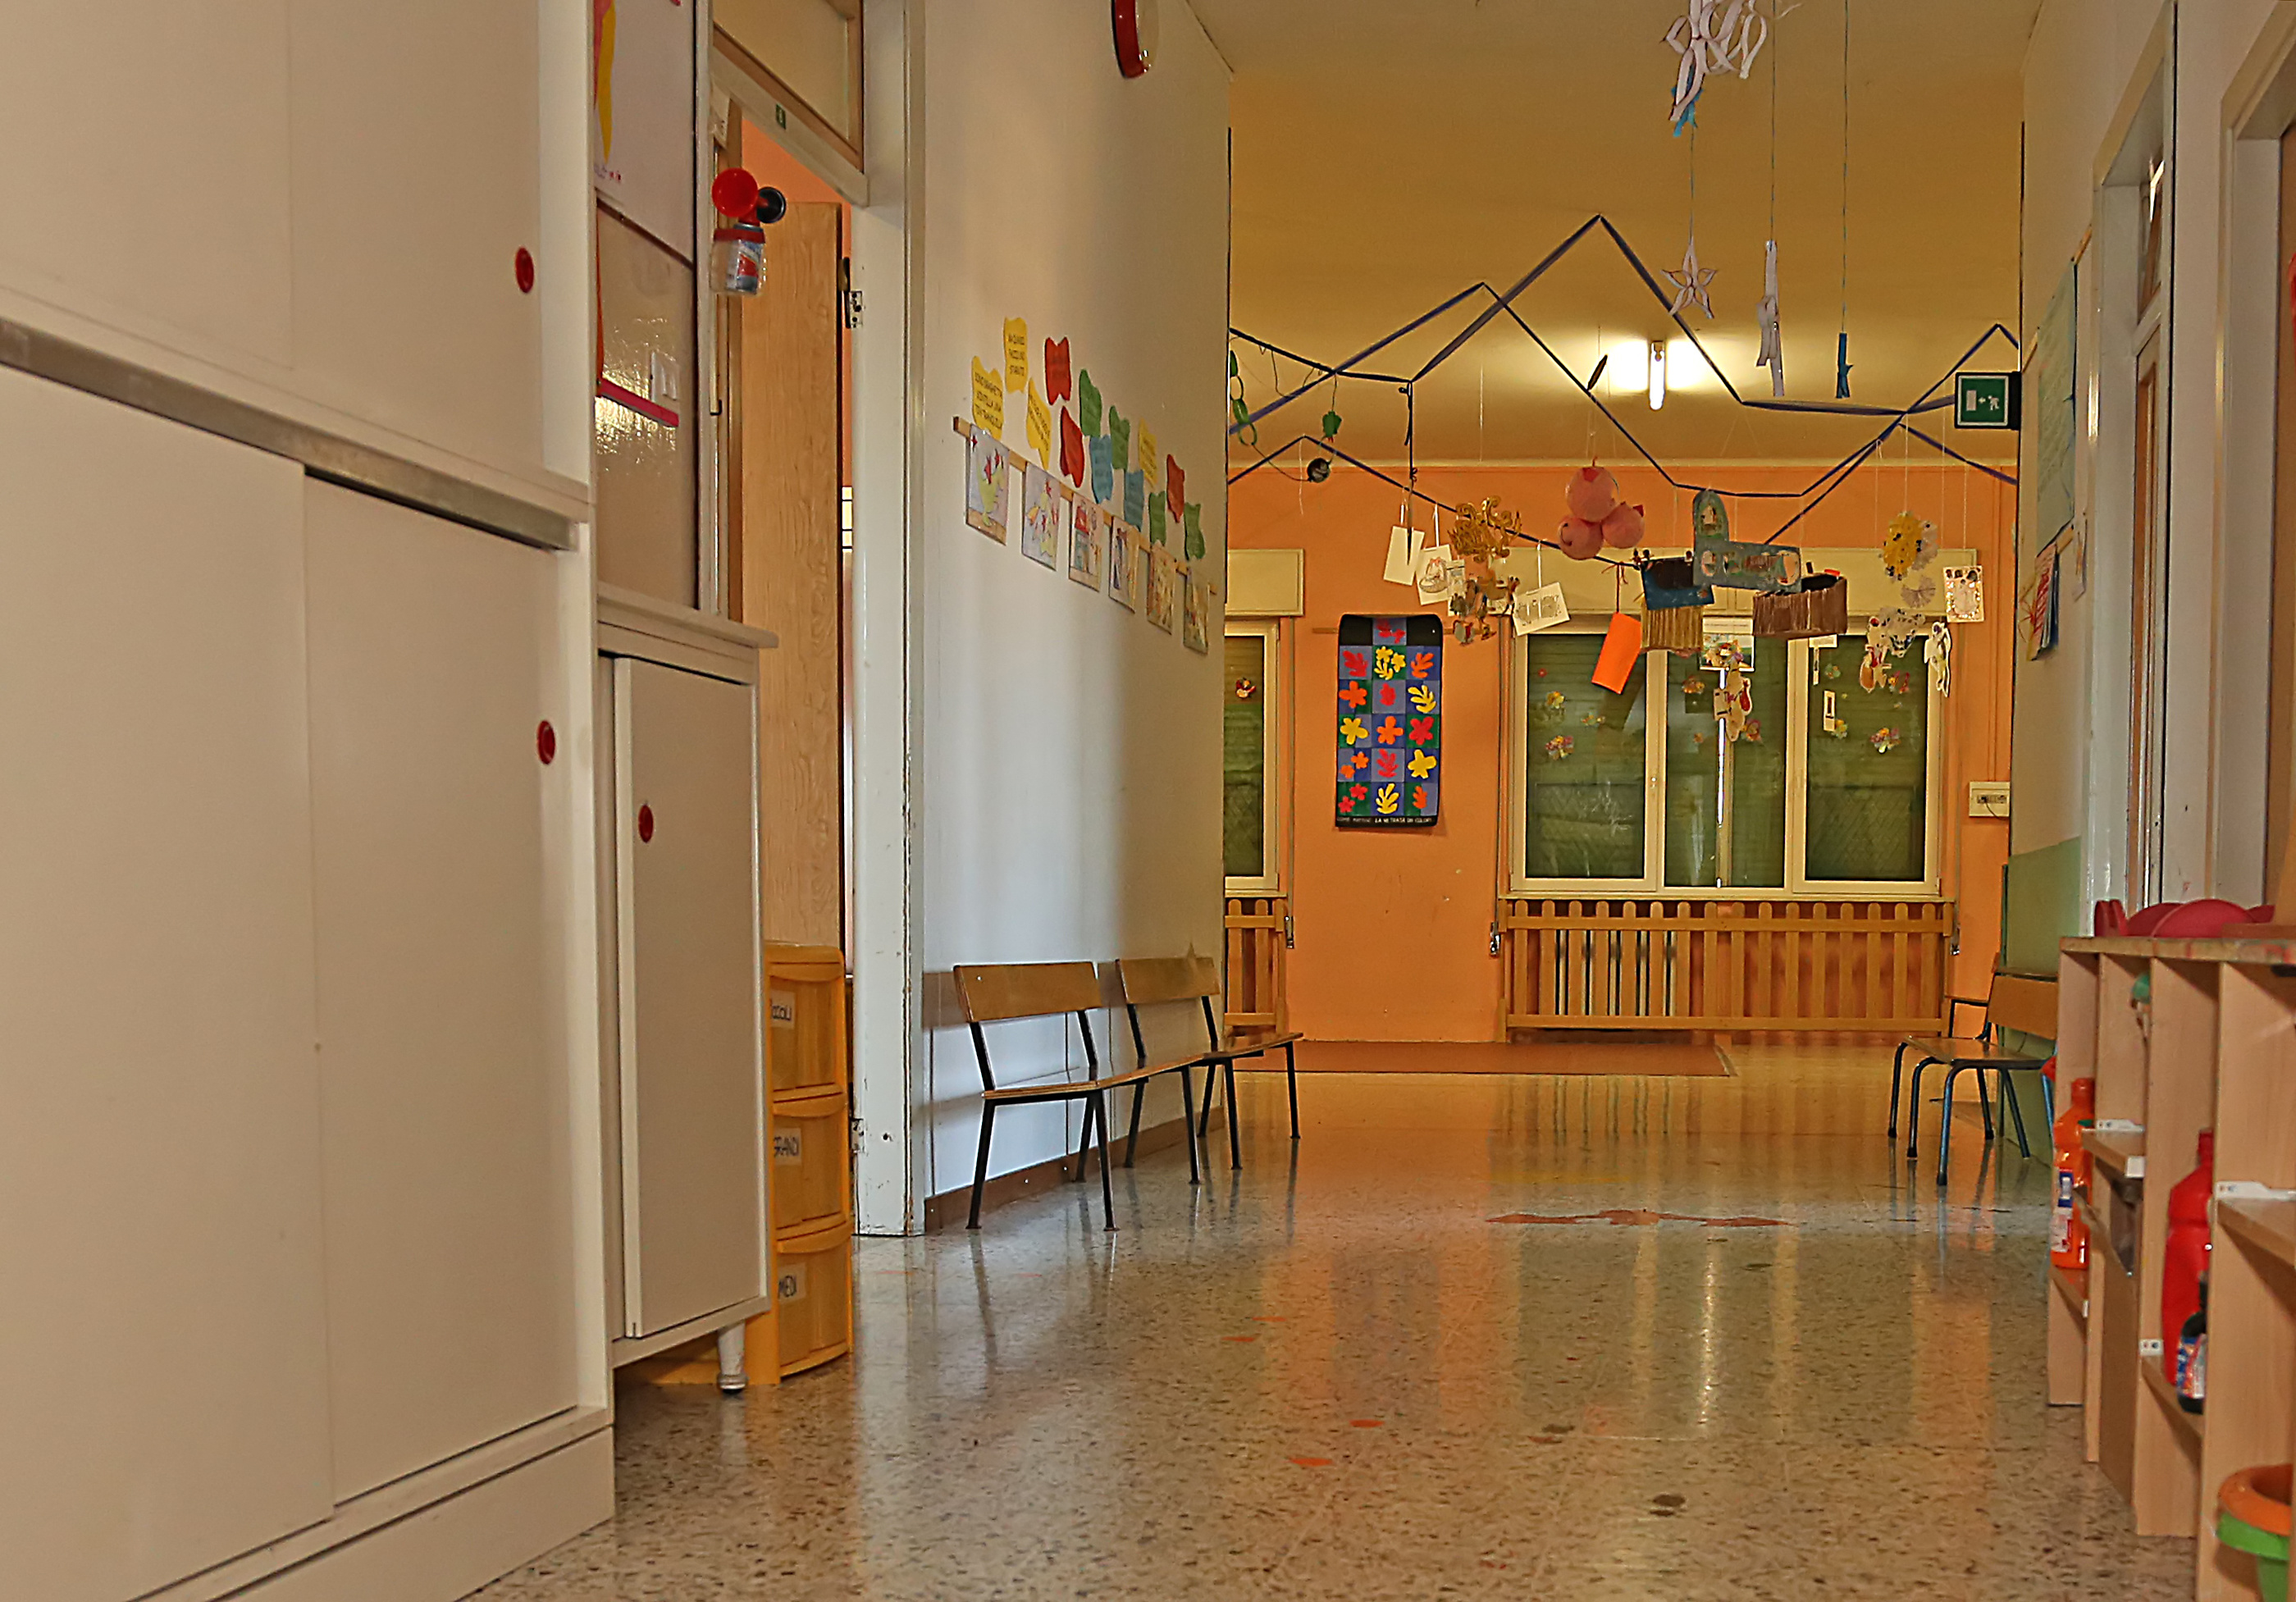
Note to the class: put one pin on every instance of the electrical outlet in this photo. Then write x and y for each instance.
(1988, 797)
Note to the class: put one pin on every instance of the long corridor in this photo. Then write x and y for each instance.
(1344, 1371)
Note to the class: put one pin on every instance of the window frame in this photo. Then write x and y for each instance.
(1274, 686)
(1652, 883)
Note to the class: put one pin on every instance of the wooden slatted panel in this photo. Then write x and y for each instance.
(1255, 1000)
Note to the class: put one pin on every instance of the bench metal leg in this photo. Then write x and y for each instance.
(1107, 1190)
(1132, 1135)
(1897, 1069)
(1204, 1123)
(1188, 1121)
(1985, 1107)
(1234, 1148)
(981, 1163)
(1945, 1117)
(1291, 1085)
(1913, 1107)
(1084, 1142)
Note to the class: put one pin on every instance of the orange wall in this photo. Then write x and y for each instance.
(1392, 927)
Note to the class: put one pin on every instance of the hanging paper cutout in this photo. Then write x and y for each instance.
(1432, 574)
(1773, 354)
(1841, 367)
(1088, 405)
(1040, 427)
(1016, 353)
(1938, 652)
(1715, 35)
(1622, 651)
(1403, 548)
(1103, 468)
(1908, 545)
(988, 399)
(1156, 518)
(1964, 594)
(1195, 610)
(1391, 721)
(1072, 448)
(1087, 539)
(1537, 609)
(1056, 371)
(1193, 522)
(1124, 566)
(1160, 578)
(1331, 425)
(1136, 498)
(1690, 282)
(987, 464)
(1043, 506)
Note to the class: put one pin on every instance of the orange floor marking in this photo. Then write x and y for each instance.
(1367, 1423)
(1313, 1462)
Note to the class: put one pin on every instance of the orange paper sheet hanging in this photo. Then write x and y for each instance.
(1622, 647)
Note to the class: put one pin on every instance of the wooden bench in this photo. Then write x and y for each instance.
(1156, 981)
(1040, 989)
(2023, 1003)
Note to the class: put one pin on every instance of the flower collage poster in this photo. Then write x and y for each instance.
(1390, 729)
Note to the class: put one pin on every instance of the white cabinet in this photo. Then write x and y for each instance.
(692, 1130)
(163, 1343)
(448, 1197)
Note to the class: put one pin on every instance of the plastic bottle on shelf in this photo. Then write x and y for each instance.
(2068, 1235)
(2192, 1356)
(2184, 1254)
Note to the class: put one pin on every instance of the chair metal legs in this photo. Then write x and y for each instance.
(1897, 1069)
(1132, 1135)
(1234, 1148)
(1913, 1107)
(1188, 1121)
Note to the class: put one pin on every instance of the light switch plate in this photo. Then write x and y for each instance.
(1988, 797)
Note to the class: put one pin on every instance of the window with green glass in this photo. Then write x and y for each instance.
(1584, 785)
(1868, 765)
(1244, 756)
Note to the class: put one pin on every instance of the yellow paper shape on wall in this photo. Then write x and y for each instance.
(988, 399)
(1040, 427)
(1016, 353)
(1146, 439)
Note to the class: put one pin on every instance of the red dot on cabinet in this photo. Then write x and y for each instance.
(522, 266)
(645, 823)
(545, 741)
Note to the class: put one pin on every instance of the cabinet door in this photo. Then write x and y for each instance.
(163, 1341)
(417, 181)
(693, 1181)
(449, 1199)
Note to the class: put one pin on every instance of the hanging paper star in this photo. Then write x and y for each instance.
(1773, 355)
(1689, 282)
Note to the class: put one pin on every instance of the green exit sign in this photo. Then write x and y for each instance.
(1985, 400)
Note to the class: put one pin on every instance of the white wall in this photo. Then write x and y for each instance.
(1064, 772)
(2085, 67)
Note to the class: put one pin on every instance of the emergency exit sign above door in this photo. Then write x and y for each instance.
(1985, 399)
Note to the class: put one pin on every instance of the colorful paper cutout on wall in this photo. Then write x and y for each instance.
(987, 464)
(1043, 511)
(1072, 449)
(1124, 566)
(1391, 721)
(1175, 485)
(1195, 610)
(1016, 353)
(1103, 468)
(1145, 453)
(1156, 518)
(1087, 540)
(1088, 405)
(988, 399)
(1120, 437)
(1056, 371)
(1135, 497)
(1040, 427)
(1161, 576)
(1192, 522)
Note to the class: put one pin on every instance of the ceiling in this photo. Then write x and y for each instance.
(1387, 155)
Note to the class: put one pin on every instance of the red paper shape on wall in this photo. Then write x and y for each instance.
(1072, 448)
(1175, 485)
(1057, 387)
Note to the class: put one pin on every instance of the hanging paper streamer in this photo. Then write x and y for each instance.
(1715, 35)
(1773, 352)
(987, 466)
(1016, 353)
(1042, 508)
(1391, 721)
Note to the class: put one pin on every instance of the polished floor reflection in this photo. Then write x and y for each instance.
(1335, 1375)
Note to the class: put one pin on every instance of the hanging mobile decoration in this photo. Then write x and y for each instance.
(1773, 353)
(1841, 343)
(1689, 282)
(1938, 652)
(1245, 429)
(1713, 36)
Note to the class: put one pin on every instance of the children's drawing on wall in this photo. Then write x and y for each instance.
(987, 464)
(1043, 506)
(1160, 579)
(1195, 610)
(1124, 566)
(1087, 538)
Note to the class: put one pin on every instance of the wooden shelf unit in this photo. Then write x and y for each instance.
(2220, 1053)
(808, 1132)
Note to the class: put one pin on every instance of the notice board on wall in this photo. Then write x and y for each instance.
(1391, 721)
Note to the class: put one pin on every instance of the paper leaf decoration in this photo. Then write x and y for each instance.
(1056, 371)
(1016, 353)
(1331, 425)
(1072, 448)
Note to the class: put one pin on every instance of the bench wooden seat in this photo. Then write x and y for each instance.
(1038, 989)
(1156, 981)
(2025, 1003)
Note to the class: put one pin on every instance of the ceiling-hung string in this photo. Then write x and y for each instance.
(1842, 341)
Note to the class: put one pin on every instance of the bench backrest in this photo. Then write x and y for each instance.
(2023, 1003)
(1148, 980)
(1027, 989)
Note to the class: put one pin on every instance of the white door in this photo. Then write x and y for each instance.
(450, 1282)
(692, 1129)
(163, 1346)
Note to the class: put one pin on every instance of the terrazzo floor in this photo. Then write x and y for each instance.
(1332, 1375)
